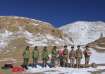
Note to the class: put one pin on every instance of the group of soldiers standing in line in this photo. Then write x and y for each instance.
(59, 56)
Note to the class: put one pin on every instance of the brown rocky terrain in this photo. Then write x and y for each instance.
(98, 44)
(18, 32)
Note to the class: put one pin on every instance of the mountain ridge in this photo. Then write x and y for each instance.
(84, 32)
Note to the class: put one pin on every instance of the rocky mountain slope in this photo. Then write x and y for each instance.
(18, 32)
(83, 32)
(28, 31)
(98, 44)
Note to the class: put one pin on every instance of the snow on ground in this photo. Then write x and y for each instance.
(62, 70)
(97, 57)
(103, 73)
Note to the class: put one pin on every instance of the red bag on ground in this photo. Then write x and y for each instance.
(1, 73)
(17, 69)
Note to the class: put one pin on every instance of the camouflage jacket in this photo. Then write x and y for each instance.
(35, 54)
(44, 55)
(26, 54)
(78, 53)
(72, 54)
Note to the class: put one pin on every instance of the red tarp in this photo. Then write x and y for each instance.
(17, 69)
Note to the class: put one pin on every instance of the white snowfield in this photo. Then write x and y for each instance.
(97, 57)
(83, 32)
(62, 70)
(103, 73)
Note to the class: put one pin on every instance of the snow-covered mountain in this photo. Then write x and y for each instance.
(83, 32)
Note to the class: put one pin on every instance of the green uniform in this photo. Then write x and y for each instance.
(45, 56)
(65, 56)
(78, 56)
(26, 56)
(35, 56)
(54, 56)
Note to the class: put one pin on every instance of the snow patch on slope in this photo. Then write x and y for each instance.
(33, 39)
(42, 39)
(5, 38)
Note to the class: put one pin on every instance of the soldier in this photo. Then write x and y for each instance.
(35, 55)
(54, 55)
(72, 56)
(61, 58)
(45, 56)
(87, 54)
(65, 52)
(78, 56)
(26, 56)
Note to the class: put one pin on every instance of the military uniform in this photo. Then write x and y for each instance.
(54, 55)
(65, 52)
(45, 56)
(61, 58)
(87, 54)
(26, 56)
(72, 57)
(78, 56)
(35, 55)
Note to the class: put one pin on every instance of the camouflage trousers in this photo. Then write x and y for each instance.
(53, 60)
(65, 61)
(87, 60)
(72, 60)
(26, 60)
(78, 62)
(61, 61)
(45, 62)
(35, 61)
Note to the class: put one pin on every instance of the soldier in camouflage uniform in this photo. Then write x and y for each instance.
(54, 55)
(26, 56)
(45, 56)
(72, 57)
(78, 56)
(35, 55)
(87, 54)
(65, 52)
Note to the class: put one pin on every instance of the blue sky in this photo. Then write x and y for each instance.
(57, 12)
